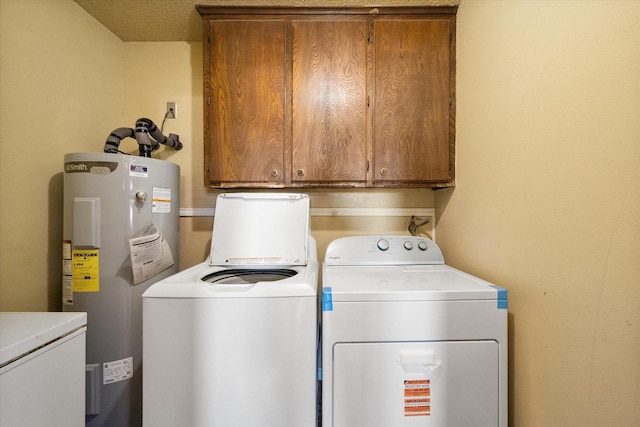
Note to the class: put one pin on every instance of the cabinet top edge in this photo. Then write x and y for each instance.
(207, 10)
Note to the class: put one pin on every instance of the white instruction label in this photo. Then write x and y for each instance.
(67, 273)
(67, 267)
(161, 201)
(67, 290)
(118, 370)
(150, 254)
(66, 249)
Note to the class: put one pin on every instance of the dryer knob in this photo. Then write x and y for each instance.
(383, 244)
(423, 245)
(408, 245)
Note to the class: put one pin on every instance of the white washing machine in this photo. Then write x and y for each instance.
(408, 340)
(232, 341)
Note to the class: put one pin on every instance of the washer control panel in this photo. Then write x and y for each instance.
(383, 250)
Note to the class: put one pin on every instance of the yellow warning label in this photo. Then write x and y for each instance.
(417, 398)
(85, 270)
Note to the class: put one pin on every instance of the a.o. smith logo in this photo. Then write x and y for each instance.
(76, 167)
(100, 168)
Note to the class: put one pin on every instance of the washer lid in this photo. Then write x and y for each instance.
(405, 283)
(260, 229)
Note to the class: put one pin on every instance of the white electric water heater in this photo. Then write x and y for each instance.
(121, 234)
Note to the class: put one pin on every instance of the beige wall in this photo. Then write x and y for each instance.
(61, 90)
(547, 202)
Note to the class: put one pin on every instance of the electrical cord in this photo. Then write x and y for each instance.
(166, 115)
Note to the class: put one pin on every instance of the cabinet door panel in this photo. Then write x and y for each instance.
(412, 87)
(329, 100)
(245, 137)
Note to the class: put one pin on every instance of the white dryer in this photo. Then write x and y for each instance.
(408, 340)
(232, 341)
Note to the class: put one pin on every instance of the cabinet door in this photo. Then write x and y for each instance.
(244, 130)
(412, 100)
(329, 100)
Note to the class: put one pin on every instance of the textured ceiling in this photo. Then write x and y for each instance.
(178, 20)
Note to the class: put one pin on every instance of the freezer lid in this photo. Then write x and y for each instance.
(24, 332)
(406, 283)
(260, 229)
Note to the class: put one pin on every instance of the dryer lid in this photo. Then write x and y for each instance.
(258, 229)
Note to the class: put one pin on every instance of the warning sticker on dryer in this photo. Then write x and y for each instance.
(417, 398)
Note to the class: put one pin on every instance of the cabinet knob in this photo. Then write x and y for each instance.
(384, 171)
(274, 173)
(300, 172)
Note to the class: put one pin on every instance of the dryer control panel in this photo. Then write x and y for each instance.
(383, 250)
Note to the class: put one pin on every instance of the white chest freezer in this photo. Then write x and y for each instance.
(42, 369)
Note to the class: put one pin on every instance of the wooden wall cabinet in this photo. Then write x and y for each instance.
(329, 97)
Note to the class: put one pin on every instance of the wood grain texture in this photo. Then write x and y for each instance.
(329, 97)
(245, 136)
(411, 117)
(329, 100)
